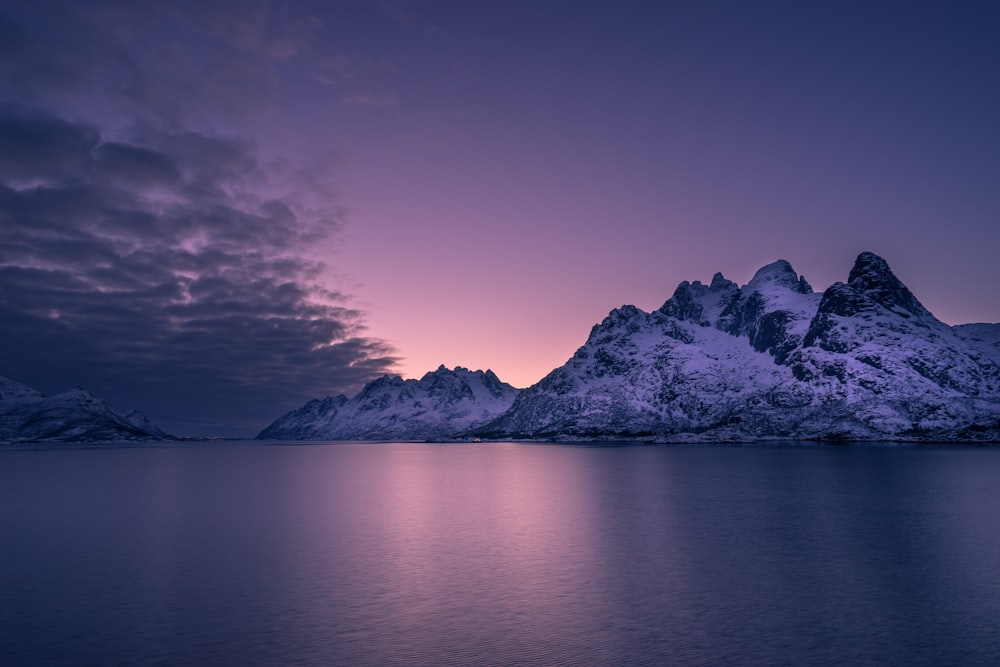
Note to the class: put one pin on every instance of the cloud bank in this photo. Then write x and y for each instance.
(149, 258)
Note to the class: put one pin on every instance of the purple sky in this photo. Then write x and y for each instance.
(214, 211)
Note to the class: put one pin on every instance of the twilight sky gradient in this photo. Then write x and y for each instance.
(215, 211)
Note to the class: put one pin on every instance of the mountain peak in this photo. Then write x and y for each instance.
(443, 371)
(685, 304)
(440, 371)
(868, 263)
(872, 276)
(720, 282)
(778, 273)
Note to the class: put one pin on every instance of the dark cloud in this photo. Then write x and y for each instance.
(140, 167)
(157, 262)
(35, 145)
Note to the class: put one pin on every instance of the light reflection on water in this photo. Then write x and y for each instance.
(500, 554)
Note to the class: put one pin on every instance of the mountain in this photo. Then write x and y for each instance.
(77, 415)
(441, 405)
(772, 360)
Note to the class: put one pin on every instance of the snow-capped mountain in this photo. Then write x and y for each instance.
(773, 359)
(27, 415)
(440, 405)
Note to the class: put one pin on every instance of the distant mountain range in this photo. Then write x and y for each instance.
(773, 359)
(76, 415)
(864, 360)
(443, 404)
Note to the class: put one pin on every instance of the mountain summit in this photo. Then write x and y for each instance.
(872, 276)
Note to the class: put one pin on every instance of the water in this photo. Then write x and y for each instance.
(407, 554)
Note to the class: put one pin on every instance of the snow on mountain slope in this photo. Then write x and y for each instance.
(75, 415)
(875, 353)
(441, 405)
(640, 374)
(772, 311)
(773, 359)
(309, 422)
(983, 337)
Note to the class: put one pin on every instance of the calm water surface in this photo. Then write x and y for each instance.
(408, 554)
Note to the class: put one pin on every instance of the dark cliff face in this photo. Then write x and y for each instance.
(770, 334)
(744, 311)
(872, 291)
(685, 304)
(689, 299)
(872, 277)
(840, 300)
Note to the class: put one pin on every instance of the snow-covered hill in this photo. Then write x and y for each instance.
(773, 359)
(441, 405)
(76, 415)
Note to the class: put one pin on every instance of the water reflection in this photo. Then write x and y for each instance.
(500, 554)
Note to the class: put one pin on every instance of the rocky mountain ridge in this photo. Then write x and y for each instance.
(864, 360)
(27, 415)
(443, 404)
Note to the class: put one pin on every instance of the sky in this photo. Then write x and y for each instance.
(216, 211)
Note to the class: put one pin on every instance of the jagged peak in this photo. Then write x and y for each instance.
(685, 302)
(720, 283)
(494, 383)
(700, 303)
(778, 273)
(440, 371)
(626, 315)
(872, 276)
(382, 382)
(458, 372)
(689, 288)
(869, 264)
(684, 297)
(616, 319)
